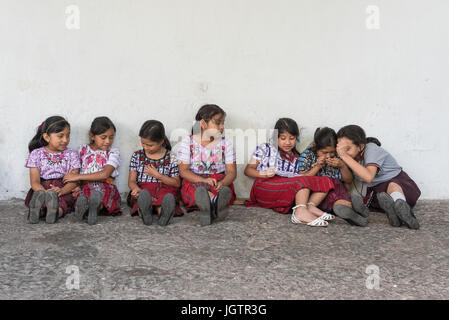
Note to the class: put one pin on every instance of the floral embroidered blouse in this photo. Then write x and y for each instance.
(53, 165)
(93, 161)
(167, 165)
(205, 160)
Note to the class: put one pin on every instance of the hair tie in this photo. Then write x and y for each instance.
(41, 127)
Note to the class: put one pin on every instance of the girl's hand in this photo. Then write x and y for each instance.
(219, 185)
(270, 172)
(76, 192)
(210, 181)
(56, 189)
(135, 192)
(151, 171)
(335, 162)
(71, 177)
(342, 149)
(321, 161)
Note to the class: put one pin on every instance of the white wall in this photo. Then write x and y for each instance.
(312, 60)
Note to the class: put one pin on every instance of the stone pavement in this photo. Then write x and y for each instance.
(254, 254)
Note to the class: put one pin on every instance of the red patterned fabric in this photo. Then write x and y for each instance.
(278, 193)
(188, 191)
(338, 193)
(111, 196)
(158, 190)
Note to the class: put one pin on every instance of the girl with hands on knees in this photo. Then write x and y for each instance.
(389, 188)
(154, 177)
(49, 160)
(280, 186)
(207, 164)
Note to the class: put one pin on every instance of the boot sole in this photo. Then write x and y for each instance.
(167, 209)
(404, 214)
(387, 204)
(359, 206)
(224, 196)
(81, 207)
(94, 207)
(144, 203)
(52, 202)
(202, 200)
(36, 203)
(350, 215)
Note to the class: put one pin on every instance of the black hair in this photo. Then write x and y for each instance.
(357, 135)
(154, 130)
(54, 124)
(287, 125)
(100, 125)
(207, 112)
(324, 137)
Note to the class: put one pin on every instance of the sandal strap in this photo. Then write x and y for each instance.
(299, 206)
(318, 222)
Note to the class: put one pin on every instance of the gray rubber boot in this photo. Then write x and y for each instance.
(223, 198)
(350, 215)
(36, 203)
(202, 200)
(386, 202)
(144, 203)
(359, 206)
(52, 203)
(404, 213)
(167, 209)
(82, 206)
(94, 207)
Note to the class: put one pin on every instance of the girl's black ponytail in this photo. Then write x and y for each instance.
(38, 140)
(373, 140)
(51, 125)
(167, 143)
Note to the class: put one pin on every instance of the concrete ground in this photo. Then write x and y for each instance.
(254, 254)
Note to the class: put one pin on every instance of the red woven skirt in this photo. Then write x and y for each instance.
(158, 191)
(338, 193)
(66, 202)
(278, 193)
(111, 197)
(188, 190)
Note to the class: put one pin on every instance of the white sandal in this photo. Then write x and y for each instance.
(318, 222)
(325, 216)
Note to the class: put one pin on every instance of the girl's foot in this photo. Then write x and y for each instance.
(52, 203)
(350, 215)
(221, 204)
(203, 202)
(302, 215)
(359, 206)
(94, 207)
(167, 209)
(145, 210)
(36, 203)
(405, 214)
(319, 213)
(386, 202)
(82, 206)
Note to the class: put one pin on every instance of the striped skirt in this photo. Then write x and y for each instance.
(278, 193)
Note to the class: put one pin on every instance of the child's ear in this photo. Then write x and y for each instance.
(46, 137)
(203, 124)
(91, 136)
